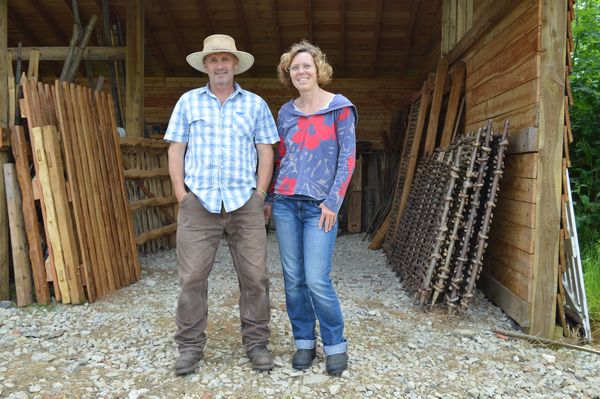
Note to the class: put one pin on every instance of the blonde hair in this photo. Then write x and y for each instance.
(324, 70)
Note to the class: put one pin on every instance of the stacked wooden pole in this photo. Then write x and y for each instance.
(80, 183)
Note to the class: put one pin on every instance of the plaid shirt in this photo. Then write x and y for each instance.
(221, 157)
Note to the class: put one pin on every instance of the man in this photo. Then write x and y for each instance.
(218, 134)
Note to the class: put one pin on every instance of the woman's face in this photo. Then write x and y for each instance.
(303, 72)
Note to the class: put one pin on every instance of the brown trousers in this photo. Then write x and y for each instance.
(198, 235)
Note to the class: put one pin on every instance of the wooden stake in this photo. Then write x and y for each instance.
(21, 265)
(32, 226)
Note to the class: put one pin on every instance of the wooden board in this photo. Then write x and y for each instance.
(508, 277)
(51, 221)
(517, 259)
(552, 88)
(521, 165)
(63, 214)
(519, 189)
(21, 264)
(517, 308)
(516, 212)
(32, 225)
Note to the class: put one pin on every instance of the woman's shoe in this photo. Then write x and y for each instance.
(303, 358)
(336, 363)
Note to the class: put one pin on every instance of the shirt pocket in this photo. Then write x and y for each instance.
(200, 129)
(243, 125)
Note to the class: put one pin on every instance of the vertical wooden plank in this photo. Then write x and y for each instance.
(134, 101)
(34, 65)
(458, 81)
(63, 214)
(436, 105)
(355, 199)
(3, 155)
(51, 219)
(551, 111)
(32, 226)
(21, 265)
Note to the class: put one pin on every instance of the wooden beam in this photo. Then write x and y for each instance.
(497, 11)
(22, 27)
(548, 210)
(4, 251)
(309, 18)
(205, 16)
(156, 50)
(376, 34)
(60, 53)
(134, 96)
(166, 13)
(43, 13)
(239, 9)
(21, 264)
(414, 11)
(276, 28)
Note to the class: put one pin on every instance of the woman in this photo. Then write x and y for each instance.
(316, 159)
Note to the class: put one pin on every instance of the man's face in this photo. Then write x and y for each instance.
(220, 67)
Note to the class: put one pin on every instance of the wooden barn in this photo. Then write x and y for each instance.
(472, 60)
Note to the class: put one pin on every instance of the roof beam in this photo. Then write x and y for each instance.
(376, 34)
(25, 31)
(239, 9)
(156, 51)
(414, 11)
(164, 9)
(49, 21)
(23, 28)
(58, 53)
(310, 20)
(205, 17)
(276, 30)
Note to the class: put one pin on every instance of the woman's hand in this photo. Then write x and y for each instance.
(328, 218)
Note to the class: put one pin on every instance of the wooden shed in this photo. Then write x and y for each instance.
(514, 54)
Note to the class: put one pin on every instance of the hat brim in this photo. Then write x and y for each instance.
(245, 60)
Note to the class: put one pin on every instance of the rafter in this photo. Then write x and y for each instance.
(342, 64)
(164, 9)
(309, 13)
(376, 34)
(56, 31)
(205, 16)
(155, 49)
(27, 33)
(276, 30)
(239, 9)
(414, 11)
(23, 28)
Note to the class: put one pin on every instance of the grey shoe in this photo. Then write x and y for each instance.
(303, 358)
(187, 362)
(261, 358)
(337, 363)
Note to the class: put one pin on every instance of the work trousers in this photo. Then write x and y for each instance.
(198, 235)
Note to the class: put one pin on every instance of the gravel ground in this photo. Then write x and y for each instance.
(122, 346)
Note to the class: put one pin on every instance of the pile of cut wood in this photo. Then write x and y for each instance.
(83, 247)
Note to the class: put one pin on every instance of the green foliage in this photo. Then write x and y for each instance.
(591, 261)
(585, 120)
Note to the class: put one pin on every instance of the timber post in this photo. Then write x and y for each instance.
(551, 120)
(134, 87)
(4, 253)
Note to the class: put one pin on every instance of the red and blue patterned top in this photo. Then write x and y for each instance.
(317, 152)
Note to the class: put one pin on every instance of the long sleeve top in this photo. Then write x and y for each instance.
(317, 153)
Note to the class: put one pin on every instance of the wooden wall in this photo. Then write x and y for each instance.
(504, 81)
(377, 99)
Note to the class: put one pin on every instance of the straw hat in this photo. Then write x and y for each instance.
(220, 44)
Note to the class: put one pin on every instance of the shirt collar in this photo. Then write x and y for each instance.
(236, 89)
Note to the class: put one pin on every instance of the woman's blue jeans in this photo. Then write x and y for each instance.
(306, 255)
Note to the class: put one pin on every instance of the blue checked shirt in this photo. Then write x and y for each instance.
(221, 157)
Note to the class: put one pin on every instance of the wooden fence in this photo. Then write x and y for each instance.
(152, 203)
